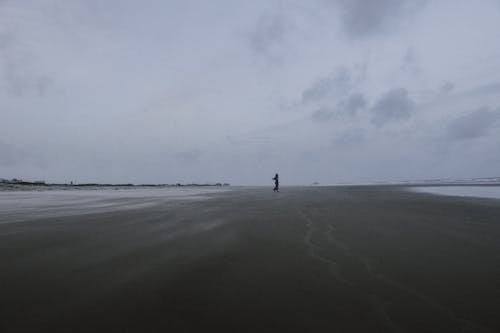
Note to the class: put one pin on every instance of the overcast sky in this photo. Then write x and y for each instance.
(203, 91)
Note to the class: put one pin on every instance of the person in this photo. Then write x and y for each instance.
(276, 183)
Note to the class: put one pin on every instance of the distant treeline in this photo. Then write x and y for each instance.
(43, 183)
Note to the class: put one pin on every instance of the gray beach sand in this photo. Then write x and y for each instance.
(319, 259)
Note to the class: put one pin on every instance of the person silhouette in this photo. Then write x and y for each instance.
(276, 183)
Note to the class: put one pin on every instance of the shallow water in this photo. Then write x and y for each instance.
(463, 191)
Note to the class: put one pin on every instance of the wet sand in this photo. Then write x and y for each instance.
(339, 259)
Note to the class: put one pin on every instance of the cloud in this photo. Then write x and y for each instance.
(347, 107)
(353, 104)
(189, 157)
(362, 18)
(268, 37)
(21, 82)
(5, 40)
(351, 137)
(8, 155)
(410, 62)
(15, 157)
(446, 88)
(323, 114)
(395, 105)
(113, 91)
(485, 89)
(333, 85)
(474, 124)
(17, 71)
(333, 94)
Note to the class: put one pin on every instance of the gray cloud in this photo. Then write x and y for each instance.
(14, 156)
(353, 104)
(347, 107)
(5, 40)
(268, 36)
(395, 105)
(351, 137)
(113, 91)
(485, 89)
(337, 84)
(189, 157)
(8, 155)
(323, 114)
(16, 71)
(446, 88)
(474, 124)
(363, 18)
(410, 62)
(22, 83)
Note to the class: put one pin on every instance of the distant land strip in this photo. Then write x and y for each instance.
(18, 184)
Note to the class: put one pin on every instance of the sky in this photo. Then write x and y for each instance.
(328, 91)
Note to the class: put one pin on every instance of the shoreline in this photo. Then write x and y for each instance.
(472, 191)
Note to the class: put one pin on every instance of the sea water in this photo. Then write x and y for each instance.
(463, 191)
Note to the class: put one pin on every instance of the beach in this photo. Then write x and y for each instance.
(306, 259)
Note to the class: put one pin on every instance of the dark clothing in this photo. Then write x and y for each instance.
(276, 183)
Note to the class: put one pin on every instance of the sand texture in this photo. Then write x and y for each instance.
(318, 259)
